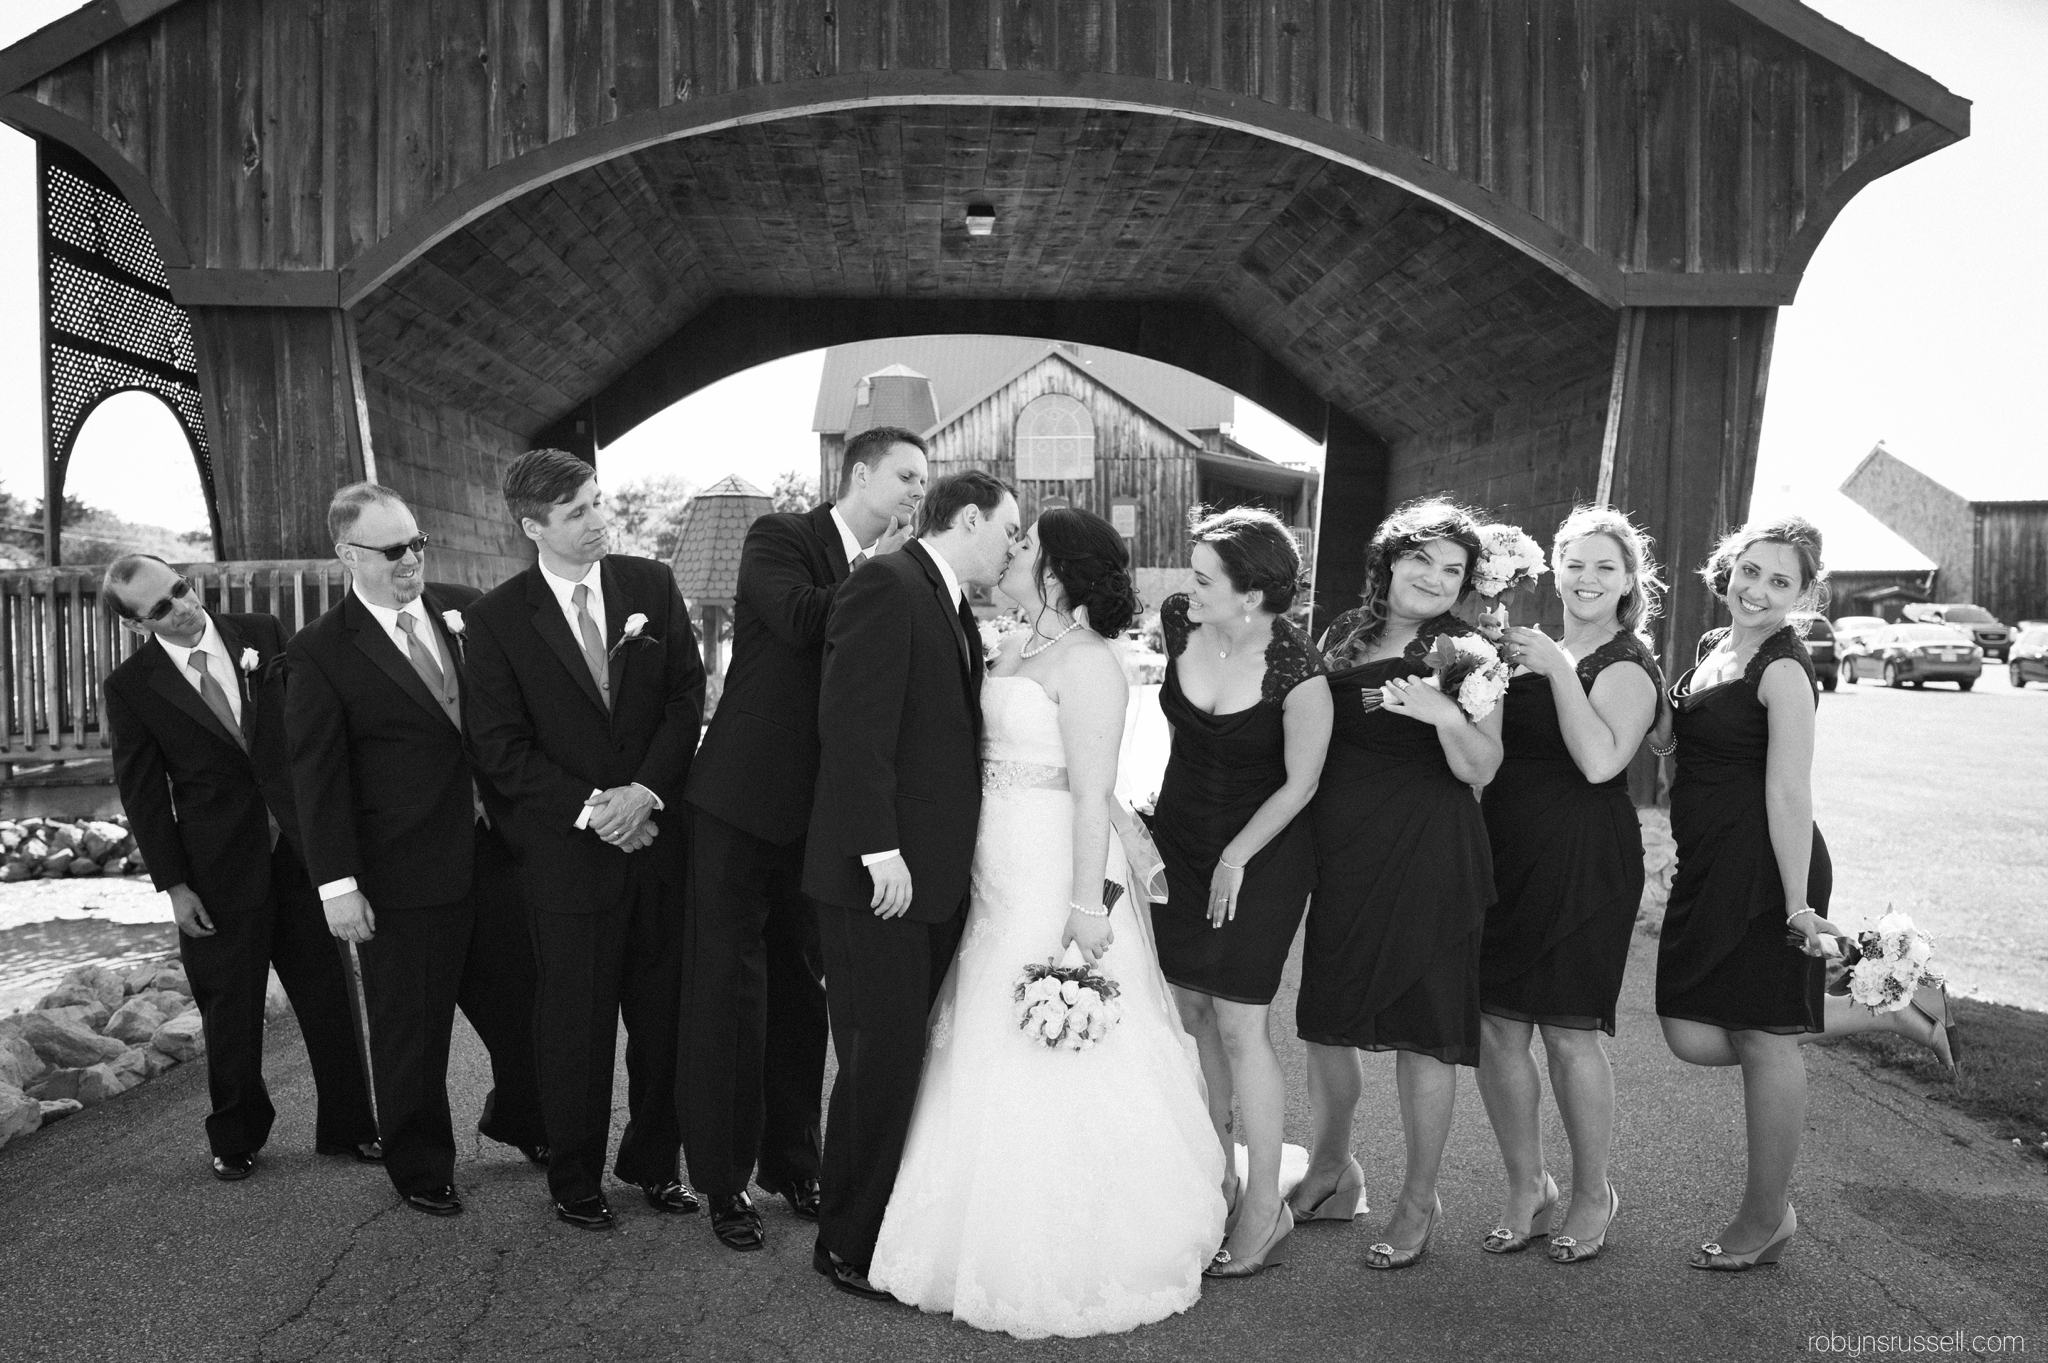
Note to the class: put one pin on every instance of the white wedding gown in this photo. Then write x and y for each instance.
(1048, 1192)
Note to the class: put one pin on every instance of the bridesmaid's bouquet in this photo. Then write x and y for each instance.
(1886, 965)
(1508, 559)
(1468, 669)
(1068, 1006)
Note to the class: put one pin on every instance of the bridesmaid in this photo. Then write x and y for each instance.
(1250, 714)
(1568, 868)
(1391, 960)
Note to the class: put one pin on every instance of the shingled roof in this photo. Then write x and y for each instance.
(715, 526)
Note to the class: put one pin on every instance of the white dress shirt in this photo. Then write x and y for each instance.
(218, 662)
(424, 630)
(848, 540)
(959, 597)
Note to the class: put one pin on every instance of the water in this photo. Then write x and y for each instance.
(49, 926)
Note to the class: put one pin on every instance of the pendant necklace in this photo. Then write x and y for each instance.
(1029, 652)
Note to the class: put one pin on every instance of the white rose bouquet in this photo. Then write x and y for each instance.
(1069, 1006)
(1468, 669)
(1888, 964)
(993, 631)
(1508, 559)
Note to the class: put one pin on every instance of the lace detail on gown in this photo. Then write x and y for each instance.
(1624, 647)
(1291, 656)
(1015, 1151)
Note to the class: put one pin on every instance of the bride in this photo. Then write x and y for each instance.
(1054, 1192)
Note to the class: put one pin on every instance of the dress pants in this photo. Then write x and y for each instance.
(624, 960)
(412, 970)
(230, 972)
(499, 978)
(753, 1051)
(881, 976)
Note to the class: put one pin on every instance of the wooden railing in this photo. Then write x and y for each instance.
(57, 644)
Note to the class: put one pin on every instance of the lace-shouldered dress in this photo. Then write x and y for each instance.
(1567, 862)
(1723, 958)
(1404, 874)
(1221, 769)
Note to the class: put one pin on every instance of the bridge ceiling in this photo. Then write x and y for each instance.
(1400, 312)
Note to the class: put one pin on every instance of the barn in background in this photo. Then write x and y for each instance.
(1137, 442)
(1987, 536)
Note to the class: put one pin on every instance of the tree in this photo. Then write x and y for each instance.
(794, 491)
(74, 511)
(647, 516)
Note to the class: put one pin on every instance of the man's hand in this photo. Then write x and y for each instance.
(894, 538)
(618, 812)
(190, 913)
(349, 917)
(639, 838)
(892, 887)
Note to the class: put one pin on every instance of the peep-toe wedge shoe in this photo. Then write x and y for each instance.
(1712, 1257)
(1506, 1240)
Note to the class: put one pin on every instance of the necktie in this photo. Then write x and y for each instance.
(422, 659)
(215, 698)
(593, 643)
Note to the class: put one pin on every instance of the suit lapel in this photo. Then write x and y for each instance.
(951, 608)
(553, 628)
(166, 682)
(378, 648)
(232, 641)
(827, 530)
(616, 609)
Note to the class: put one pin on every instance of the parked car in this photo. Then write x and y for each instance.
(1820, 643)
(1979, 624)
(1852, 631)
(1917, 654)
(2028, 660)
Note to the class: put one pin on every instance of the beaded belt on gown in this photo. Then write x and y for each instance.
(1000, 776)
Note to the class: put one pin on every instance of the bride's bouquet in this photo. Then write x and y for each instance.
(1886, 965)
(1068, 1006)
(1468, 669)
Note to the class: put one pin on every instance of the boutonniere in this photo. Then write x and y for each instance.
(631, 634)
(458, 630)
(251, 660)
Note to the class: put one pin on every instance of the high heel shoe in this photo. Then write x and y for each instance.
(1712, 1256)
(1231, 1205)
(1384, 1255)
(1271, 1254)
(1565, 1250)
(1931, 1001)
(1503, 1240)
(1346, 1200)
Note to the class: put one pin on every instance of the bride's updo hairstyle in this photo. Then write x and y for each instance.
(1258, 552)
(1797, 532)
(1086, 556)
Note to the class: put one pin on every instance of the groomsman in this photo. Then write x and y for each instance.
(400, 840)
(199, 755)
(755, 1022)
(587, 698)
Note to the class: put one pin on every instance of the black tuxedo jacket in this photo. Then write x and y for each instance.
(199, 806)
(758, 767)
(899, 720)
(381, 773)
(541, 735)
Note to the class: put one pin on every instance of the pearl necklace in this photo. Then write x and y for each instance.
(1029, 652)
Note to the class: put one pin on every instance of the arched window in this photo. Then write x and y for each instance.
(1055, 439)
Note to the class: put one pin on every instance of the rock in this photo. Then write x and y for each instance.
(172, 977)
(83, 866)
(58, 1109)
(102, 981)
(102, 1082)
(57, 864)
(165, 1001)
(155, 1062)
(182, 1038)
(57, 1084)
(34, 849)
(97, 842)
(64, 838)
(10, 838)
(91, 1016)
(14, 870)
(68, 993)
(136, 978)
(136, 1021)
(136, 866)
(19, 1113)
(19, 1063)
(68, 1044)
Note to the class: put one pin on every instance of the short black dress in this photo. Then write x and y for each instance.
(1221, 769)
(1404, 877)
(1724, 958)
(1567, 863)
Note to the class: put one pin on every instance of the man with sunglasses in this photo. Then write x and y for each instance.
(405, 845)
(200, 760)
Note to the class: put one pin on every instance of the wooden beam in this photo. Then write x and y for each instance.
(194, 288)
(40, 120)
(1668, 289)
(62, 41)
(1357, 472)
(1866, 61)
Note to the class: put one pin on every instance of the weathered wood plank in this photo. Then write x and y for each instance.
(294, 176)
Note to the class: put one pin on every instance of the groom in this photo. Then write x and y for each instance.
(892, 835)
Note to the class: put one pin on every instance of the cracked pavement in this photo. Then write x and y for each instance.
(116, 1243)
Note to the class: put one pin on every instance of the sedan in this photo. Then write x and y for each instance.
(2028, 660)
(1820, 645)
(1852, 630)
(1918, 654)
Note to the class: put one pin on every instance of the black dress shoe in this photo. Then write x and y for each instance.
(233, 1168)
(735, 1220)
(801, 1194)
(671, 1196)
(441, 1201)
(586, 1213)
(536, 1153)
(848, 1279)
(363, 1152)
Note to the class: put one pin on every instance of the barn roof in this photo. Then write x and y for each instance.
(965, 369)
(1977, 478)
(714, 528)
(1049, 351)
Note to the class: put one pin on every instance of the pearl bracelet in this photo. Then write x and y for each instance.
(1087, 912)
(1668, 749)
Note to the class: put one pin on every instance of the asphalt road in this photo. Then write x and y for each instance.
(116, 1243)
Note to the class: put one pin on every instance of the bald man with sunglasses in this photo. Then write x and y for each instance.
(197, 715)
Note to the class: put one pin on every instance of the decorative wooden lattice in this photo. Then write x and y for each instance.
(109, 322)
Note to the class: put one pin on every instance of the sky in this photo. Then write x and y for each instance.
(1919, 322)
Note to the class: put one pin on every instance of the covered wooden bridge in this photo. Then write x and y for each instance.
(1525, 251)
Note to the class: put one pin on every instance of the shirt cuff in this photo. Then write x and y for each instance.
(335, 889)
(650, 795)
(876, 858)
